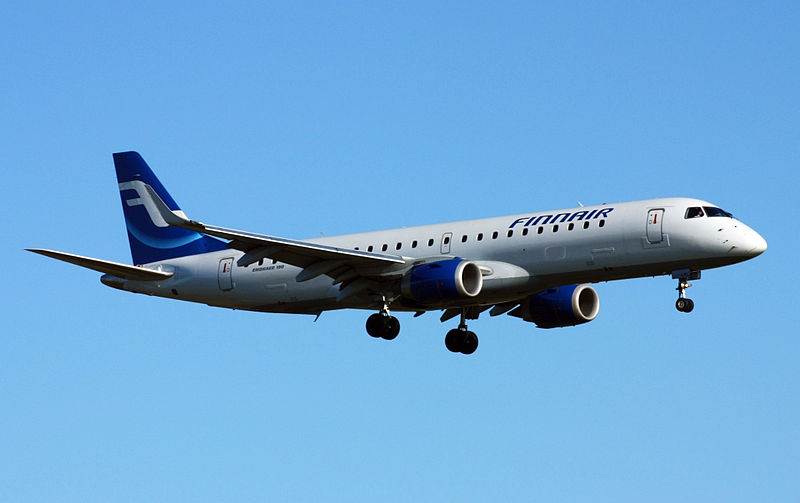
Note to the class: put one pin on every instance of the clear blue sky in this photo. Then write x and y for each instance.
(344, 117)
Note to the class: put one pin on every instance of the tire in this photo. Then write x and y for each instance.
(375, 325)
(470, 343)
(391, 328)
(454, 340)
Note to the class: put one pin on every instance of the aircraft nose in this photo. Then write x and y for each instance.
(744, 241)
(757, 244)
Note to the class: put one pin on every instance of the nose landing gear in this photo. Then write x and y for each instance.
(684, 304)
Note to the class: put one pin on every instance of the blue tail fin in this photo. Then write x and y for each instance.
(150, 237)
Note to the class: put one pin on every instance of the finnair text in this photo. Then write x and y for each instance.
(562, 217)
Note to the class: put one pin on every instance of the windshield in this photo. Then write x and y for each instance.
(716, 212)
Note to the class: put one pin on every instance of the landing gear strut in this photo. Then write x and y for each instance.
(684, 304)
(383, 325)
(461, 340)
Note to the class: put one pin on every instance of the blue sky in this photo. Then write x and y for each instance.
(303, 119)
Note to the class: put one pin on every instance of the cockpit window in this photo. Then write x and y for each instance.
(695, 212)
(716, 212)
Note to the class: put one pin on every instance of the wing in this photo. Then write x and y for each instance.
(354, 270)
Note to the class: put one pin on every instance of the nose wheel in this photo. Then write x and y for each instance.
(684, 305)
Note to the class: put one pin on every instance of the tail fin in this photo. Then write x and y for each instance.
(150, 237)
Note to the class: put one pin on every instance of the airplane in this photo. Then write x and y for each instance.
(534, 266)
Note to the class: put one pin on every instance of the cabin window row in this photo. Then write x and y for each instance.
(399, 245)
(480, 236)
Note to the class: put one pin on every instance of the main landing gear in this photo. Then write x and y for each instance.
(461, 340)
(383, 325)
(684, 304)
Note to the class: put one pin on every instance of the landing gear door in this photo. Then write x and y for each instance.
(654, 225)
(224, 274)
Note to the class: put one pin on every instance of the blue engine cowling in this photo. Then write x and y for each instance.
(562, 306)
(441, 281)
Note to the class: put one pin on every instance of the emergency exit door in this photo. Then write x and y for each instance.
(446, 239)
(655, 226)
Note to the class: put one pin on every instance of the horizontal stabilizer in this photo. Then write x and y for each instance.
(123, 271)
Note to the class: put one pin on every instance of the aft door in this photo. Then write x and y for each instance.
(654, 225)
(224, 274)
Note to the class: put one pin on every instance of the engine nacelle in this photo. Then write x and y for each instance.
(441, 281)
(562, 306)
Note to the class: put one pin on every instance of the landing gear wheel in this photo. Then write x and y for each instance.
(454, 340)
(461, 341)
(375, 325)
(684, 305)
(470, 343)
(391, 328)
(383, 326)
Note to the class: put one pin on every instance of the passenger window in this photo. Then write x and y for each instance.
(494, 235)
(369, 248)
(602, 223)
(571, 226)
(430, 242)
(413, 244)
(555, 228)
(586, 224)
(480, 236)
(385, 247)
(525, 231)
(464, 238)
(356, 248)
(510, 233)
(694, 213)
(540, 230)
(447, 240)
(399, 245)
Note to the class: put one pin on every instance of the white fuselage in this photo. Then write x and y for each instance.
(519, 255)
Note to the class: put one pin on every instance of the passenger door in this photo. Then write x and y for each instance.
(655, 225)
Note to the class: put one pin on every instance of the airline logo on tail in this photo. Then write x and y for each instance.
(145, 200)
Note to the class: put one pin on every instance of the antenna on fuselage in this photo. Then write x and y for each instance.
(580, 204)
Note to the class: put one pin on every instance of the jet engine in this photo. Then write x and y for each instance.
(562, 306)
(442, 281)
